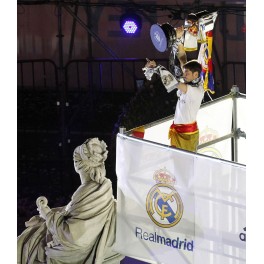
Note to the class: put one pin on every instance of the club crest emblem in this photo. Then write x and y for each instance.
(167, 79)
(163, 203)
(208, 135)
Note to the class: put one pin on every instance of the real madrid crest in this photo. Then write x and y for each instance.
(207, 135)
(163, 203)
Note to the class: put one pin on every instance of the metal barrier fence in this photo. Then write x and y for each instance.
(37, 74)
(108, 75)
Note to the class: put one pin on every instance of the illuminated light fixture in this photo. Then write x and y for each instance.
(130, 23)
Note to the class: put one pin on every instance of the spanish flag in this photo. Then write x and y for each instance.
(205, 58)
(138, 132)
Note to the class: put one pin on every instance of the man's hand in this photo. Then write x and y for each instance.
(150, 68)
(179, 32)
(150, 64)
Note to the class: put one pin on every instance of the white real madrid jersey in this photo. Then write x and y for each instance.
(188, 104)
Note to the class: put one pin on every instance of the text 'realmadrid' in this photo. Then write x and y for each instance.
(154, 238)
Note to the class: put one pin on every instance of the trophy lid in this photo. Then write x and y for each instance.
(162, 36)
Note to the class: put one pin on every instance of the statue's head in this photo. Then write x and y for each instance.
(89, 160)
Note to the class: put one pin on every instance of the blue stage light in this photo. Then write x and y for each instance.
(130, 27)
(130, 23)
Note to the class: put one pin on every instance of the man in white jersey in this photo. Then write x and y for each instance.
(184, 132)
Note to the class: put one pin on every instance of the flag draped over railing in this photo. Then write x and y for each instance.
(138, 132)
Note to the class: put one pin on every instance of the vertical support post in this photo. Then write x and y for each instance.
(66, 183)
(234, 91)
(224, 33)
(122, 130)
(89, 37)
(73, 32)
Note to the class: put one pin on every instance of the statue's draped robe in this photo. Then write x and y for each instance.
(81, 232)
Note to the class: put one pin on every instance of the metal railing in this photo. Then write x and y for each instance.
(107, 75)
(37, 74)
(234, 134)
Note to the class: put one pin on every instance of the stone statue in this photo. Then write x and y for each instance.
(83, 231)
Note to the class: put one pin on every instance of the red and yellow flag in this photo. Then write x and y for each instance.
(138, 132)
(205, 58)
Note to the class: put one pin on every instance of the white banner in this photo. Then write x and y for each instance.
(178, 207)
